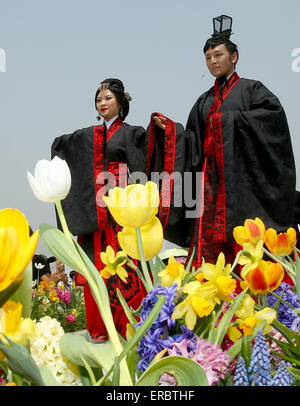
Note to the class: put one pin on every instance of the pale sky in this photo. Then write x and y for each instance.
(56, 53)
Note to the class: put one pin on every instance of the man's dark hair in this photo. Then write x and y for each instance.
(216, 40)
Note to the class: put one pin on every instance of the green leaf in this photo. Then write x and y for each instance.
(128, 312)
(6, 294)
(140, 331)
(21, 362)
(295, 372)
(246, 350)
(76, 346)
(224, 323)
(186, 372)
(48, 377)
(24, 293)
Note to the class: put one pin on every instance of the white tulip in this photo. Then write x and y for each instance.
(51, 181)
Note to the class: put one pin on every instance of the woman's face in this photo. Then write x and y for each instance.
(107, 104)
(219, 61)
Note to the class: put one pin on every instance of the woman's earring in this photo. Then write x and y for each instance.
(121, 112)
(98, 118)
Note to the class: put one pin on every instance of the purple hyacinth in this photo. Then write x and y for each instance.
(286, 315)
(157, 337)
(259, 370)
(240, 375)
(283, 377)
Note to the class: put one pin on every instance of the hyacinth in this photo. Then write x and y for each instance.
(283, 376)
(240, 376)
(45, 350)
(157, 337)
(210, 357)
(259, 369)
(167, 309)
(286, 315)
(167, 379)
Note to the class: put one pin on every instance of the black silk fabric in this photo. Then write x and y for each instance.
(127, 145)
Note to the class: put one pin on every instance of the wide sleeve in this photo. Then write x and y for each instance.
(260, 167)
(166, 166)
(79, 207)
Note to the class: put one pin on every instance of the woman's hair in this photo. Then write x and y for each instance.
(117, 88)
(216, 40)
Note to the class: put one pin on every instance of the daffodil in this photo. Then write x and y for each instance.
(16, 246)
(152, 239)
(252, 254)
(219, 275)
(233, 333)
(113, 264)
(134, 205)
(252, 232)
(281, 244)
(51, 181)
(194, 305)
(267, 276)
(173, 273)
(14, 326)
(198, 303)
(248, 318)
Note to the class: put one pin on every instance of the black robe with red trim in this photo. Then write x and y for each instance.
(239, 140)
(91, 154)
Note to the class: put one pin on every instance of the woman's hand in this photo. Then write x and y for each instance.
(160, 122)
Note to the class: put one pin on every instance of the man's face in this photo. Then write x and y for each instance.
(219, 61)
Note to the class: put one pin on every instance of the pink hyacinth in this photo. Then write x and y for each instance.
(59, 293)
(67, 297)
(70, 318)
(210, 357)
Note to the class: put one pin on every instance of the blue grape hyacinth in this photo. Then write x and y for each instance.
(283, 377)
(240, 376)
(260, 366)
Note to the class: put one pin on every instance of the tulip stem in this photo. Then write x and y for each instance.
(149, 284)
(63, 220)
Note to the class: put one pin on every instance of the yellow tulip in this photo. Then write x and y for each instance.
(152, 239)
(14, 326)
(281, 244)
(173, 273)
(134, 205)
(252, 232)
(267, 276)
(16, 247)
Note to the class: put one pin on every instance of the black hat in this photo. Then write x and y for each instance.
(222, 26)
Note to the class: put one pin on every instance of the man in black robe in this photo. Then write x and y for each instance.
(237, 137)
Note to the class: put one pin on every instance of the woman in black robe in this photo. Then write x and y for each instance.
(101, 157)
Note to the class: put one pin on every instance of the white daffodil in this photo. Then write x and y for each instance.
(51, 181)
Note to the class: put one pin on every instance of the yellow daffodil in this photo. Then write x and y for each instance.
(14, 326)
(134, 205)
(16, 247)
(252, 232)
(233, 333)
(281, 244)
(194, 305)
(152, 239)
(267, 276)
(113, 264)
(253, 254)
(173, 273)
(199, 302)
(219, 275)
(248, 318)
